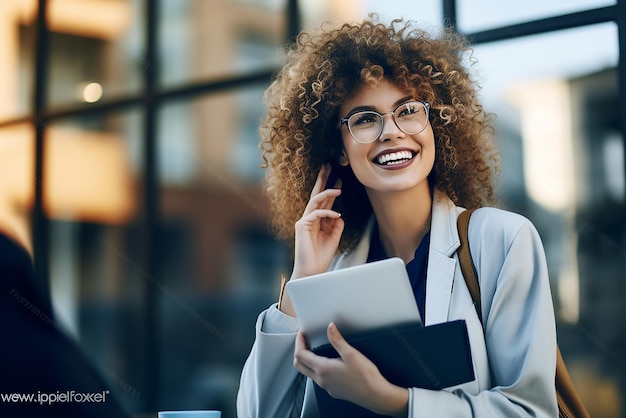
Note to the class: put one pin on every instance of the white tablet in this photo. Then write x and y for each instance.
(357, 298)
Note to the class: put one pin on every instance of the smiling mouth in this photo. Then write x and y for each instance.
(394, 158)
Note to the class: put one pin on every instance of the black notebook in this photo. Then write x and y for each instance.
(433, 357)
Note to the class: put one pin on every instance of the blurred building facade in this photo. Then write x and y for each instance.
(156, 246)
(576, 201)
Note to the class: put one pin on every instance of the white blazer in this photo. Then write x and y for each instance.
(514, 357)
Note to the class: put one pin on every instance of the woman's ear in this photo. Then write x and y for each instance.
(343, 159)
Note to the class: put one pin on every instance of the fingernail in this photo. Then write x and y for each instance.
(332, 328)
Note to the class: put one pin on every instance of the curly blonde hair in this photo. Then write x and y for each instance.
(300, 134)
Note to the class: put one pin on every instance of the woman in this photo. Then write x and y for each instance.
(394, 112)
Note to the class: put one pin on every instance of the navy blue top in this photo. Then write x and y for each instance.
(416, 267)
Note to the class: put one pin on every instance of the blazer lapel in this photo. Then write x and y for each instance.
(438, 288)
(441, 264)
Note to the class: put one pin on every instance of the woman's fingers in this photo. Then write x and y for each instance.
(322, 200)
(332, 227)
(310, 220)
(338, 342)
(303, 357)
(319, 193)
(320, 181)
(306, 360)
(318, 231)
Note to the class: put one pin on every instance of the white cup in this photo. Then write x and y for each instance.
(190, 414)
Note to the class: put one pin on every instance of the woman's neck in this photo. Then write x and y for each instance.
(403, 219)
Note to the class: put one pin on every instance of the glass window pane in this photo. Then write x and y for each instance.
(563, 167)
(212, 140)
(97, 274)
(200, 39)
(17, 54)
(222, 266)
(580, 51)
(427, 13)
(315, 12)
(276, 5)
(478, 15)
(17, 171)
(96, 50)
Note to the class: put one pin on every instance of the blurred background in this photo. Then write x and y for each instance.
(129, 166)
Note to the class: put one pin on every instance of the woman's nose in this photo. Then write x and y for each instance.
(390, 129)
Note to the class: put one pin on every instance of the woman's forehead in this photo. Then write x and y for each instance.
(383, 92)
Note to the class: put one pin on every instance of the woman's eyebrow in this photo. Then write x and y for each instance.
(403, 100)
(369, 107)
(359, 109)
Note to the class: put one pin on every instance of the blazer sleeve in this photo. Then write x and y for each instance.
(519, 326)
(270, 386)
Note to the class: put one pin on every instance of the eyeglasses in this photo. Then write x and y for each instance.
(366, 126)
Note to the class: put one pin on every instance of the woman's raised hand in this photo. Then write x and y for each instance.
(318, 232)
(319, 229)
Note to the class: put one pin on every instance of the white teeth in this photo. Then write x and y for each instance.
(394, 157)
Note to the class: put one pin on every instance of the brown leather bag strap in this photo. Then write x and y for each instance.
(465, 258)
(568, 399)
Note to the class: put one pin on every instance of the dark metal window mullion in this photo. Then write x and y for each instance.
(620, 15)
(151, 209)
(449, 13)
(40, 222)
(293, 20)
(549, 24)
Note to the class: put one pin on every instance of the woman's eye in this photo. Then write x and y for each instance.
(363, 119)
(409, 109)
